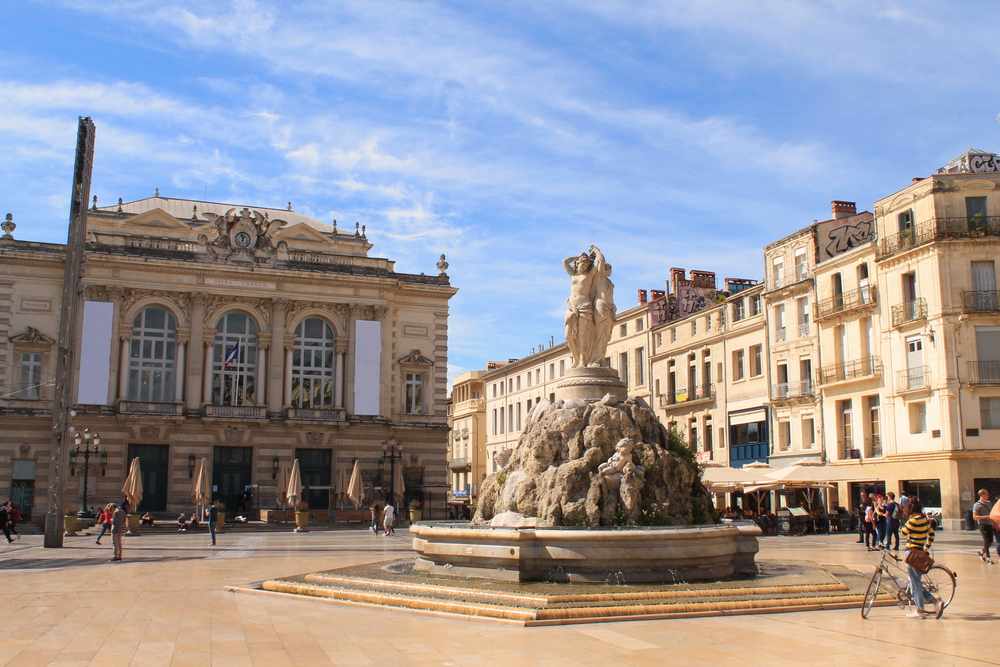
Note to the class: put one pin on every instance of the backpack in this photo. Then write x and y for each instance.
(894, 515)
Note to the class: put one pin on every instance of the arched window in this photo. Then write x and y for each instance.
(234, 361)
(312, 365)
(152, 364)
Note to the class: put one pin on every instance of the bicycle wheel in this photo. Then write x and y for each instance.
(871, 593)
(940, 582)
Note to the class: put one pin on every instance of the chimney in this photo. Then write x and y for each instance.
(643, 296)
(676, 276)
(843, 209)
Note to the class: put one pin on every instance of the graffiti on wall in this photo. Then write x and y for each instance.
(835, 237)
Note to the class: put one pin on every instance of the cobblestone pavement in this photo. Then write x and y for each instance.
(166, 605)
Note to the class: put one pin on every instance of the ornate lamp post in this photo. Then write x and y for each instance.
(86, 444)
(392, 452)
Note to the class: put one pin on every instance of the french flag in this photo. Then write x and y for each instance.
(232, 355)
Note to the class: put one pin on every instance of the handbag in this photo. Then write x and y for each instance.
(919, 560)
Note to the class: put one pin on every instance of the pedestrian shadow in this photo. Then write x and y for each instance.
(985, 616)
(55, 563)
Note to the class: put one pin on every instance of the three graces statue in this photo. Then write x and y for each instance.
(590, 309)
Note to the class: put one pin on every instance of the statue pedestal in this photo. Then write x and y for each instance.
(590, 384)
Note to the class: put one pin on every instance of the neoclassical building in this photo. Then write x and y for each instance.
(245, 336)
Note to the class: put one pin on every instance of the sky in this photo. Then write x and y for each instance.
(506, 135)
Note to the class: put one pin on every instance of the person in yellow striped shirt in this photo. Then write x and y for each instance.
(919, 534)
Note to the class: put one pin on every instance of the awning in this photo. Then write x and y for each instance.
(748, 417)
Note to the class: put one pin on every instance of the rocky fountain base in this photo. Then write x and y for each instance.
(595, 490)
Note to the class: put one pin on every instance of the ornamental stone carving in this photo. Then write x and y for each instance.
(245, 235)
(32, 336)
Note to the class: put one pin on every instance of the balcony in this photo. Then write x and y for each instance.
(856, 299)
(162, 409)
(874, 445)
(852, 370)
(790, 391)
(981, 302)
(913, 379)
(460, 464)
(317, 414)
(939, 229)
(780, 334)
(685, 397)
(909, 311)
(846, 448)
(984, 372)
(236, 411)
(803, 329)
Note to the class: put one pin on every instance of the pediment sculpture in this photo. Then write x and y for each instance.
(414, 358)
(32, 336)
(242, 235)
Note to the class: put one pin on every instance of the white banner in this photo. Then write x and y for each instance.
(367, 366)
(95, 353)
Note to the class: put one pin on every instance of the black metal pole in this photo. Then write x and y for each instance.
(86, 471)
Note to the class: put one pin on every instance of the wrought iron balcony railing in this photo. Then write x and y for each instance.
(981, 302)
(236, 411)
(803, 329)
(789, 390)
(939, 229)
(459, 464)
(984, 372)
(862, 297)
(909, 311)
(874, 445)
(845, 445)
(317, 414)
(684, 396)
(780, 333)
(917, 377)
(151, 408)
(851, 370)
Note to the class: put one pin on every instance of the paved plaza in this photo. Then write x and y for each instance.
(167, 605)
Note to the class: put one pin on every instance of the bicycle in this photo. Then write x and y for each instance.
(939, 583)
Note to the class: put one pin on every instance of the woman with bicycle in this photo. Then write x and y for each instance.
(919, 534)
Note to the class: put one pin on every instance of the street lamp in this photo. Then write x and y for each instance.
(392, 451)
(87, 444)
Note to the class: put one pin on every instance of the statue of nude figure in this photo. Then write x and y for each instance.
(590, 309)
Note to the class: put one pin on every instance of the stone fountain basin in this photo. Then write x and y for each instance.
(582, 555)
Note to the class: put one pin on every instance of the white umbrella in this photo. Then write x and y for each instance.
(132, 488)
(200, 490)
(284, 473)
(294, 492)
(398, 485)
(355, 488)
(729, 478)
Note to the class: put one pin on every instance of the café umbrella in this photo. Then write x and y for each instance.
(200, 492)
(294, 492)
(132, 488)
(284, 474)
(355, 490)
(398, 485)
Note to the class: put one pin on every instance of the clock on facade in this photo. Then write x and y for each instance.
(242, 240)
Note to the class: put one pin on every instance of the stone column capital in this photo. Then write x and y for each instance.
(264, 340)
(342, 344)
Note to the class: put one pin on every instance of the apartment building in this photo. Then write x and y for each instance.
(466, 442)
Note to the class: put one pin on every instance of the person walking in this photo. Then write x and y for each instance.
(13, 518)
(374, 518)
(981, 515)
(389, 517)
(118, 518)
(213, 516)
(862, 504)
(104, 518)
(5, 523)
(892, 512)
(919, 534)
(869, 522)
(880, 520)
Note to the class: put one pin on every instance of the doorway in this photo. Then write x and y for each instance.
(231, 474)
(153, 462)
(314, 467)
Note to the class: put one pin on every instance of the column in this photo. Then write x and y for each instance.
(180, 370)
(124, 346)
(276, 370)
(288, 375)
(197, 362)
(206, 376)
(338, 394)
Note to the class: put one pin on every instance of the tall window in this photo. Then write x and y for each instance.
(313, 365)
(31, 376)
(989, 412)
(234, 360)
(152, 364)
(779, 272)
(623, 367)
(801, 264)
(756, 360)
(414, 394)
(640, 365)
(755, 305)
(737, 310)
(739, 369)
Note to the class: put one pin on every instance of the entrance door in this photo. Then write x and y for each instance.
(231, 474)
(153, 461)
(314, 466)
(22, 493)
(914, 362)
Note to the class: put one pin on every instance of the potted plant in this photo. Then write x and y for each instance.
(415, 511)
(71, 524)
(301, 517)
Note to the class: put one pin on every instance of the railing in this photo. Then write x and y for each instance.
(159, 244)
(981, 302)
(307, 257)
(846, 448)
(875, 445)
(909, 311)
(859, 368)
(939, 229)
(150, 408)
(236, 411)
(984, 372)
(917, 377)
(317, 414)
(685, 396)
(785, 390)
(780, 333)
(803, 329)
(470, 404)
(459, 464)
(841, 303)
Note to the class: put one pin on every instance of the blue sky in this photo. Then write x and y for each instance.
(505, 135)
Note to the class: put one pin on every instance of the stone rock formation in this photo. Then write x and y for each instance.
(604, 463)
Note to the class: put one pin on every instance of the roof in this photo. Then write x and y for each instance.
(184, 208)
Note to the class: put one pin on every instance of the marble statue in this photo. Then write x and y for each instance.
(590, 309)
